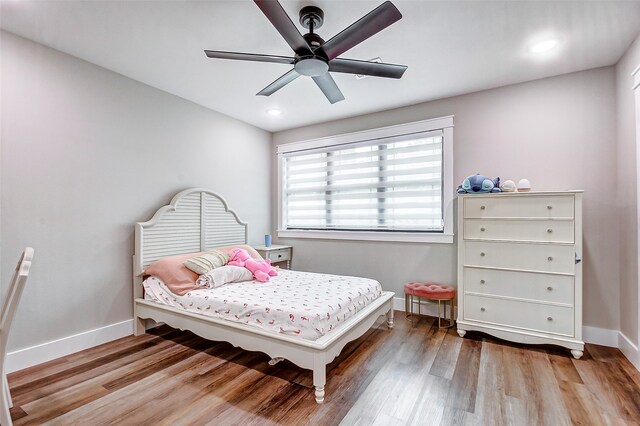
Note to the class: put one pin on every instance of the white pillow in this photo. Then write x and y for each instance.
(224, 275)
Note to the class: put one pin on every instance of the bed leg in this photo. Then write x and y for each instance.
(274, 361)
(319, 377)
(390, 318)
(139, 326)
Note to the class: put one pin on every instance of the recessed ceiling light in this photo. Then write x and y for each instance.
(274, 112)
(543, 46)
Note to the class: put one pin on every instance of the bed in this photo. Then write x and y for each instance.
(198, 220)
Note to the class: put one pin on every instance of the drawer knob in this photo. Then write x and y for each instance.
(482, 309)
(482, 207)
(279, 255)
(549, 231)
(482, 229)
(549, 288)
(481, 281)
(549, 258)
(549, 319)
(482, 254)
(549, 207)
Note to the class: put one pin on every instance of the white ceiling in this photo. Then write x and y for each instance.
(451, 47)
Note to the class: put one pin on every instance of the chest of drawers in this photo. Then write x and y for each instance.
(519, 267)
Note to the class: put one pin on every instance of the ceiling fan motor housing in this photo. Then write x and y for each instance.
(314, 40)
(315, 64)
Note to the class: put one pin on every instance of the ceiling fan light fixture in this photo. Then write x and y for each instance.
(274, 112)
(312, 66)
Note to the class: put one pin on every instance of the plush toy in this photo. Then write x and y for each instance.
(261, 269)
(508, 186)
(477, 184)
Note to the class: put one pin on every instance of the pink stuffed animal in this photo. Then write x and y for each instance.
(261, 269)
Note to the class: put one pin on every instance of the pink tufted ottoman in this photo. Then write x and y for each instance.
(429, 291)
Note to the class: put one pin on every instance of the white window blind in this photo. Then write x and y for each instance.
(387, 184)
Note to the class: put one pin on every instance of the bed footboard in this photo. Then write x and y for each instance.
(312, 355)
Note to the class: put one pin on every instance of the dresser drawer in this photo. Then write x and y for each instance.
(513, 313)
(522, 285)
(519, 230)
(279, 255)
(519, 206)
(528, 257)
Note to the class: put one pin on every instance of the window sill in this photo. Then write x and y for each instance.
(441, 238)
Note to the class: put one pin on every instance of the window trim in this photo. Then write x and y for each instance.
(442, 123)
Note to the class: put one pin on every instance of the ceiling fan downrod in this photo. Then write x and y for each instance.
(311, 17)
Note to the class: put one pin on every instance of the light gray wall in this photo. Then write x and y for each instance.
(86, 153)
(558, 132)
(627, 187)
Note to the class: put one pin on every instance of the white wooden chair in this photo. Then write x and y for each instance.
(6, 318)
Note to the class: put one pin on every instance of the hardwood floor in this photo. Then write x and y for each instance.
(421, 375)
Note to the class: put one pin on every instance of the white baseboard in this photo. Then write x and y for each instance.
(629, 350)
(600, 336)
(426, 308)
(44, 352)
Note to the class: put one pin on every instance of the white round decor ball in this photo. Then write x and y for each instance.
(524, 185)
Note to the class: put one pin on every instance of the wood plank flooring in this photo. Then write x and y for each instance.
(413, 376)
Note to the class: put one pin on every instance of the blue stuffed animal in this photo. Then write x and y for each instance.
(477, 184)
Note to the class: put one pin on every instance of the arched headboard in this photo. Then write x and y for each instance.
(196, 219)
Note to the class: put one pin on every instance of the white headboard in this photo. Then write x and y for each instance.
(195, 220)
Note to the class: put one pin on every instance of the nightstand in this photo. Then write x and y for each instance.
(277, 254)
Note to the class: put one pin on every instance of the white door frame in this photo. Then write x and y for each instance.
(636, 89)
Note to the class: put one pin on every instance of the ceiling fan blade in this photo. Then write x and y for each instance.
(329, 87)
(276, 14)
(279, 83)
(249, 57)
(375, 69)
(373, 22)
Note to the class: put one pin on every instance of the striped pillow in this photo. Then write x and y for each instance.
(206, 262)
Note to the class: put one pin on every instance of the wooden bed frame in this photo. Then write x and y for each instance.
(197, 220)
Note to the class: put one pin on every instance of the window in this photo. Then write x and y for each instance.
(385, 184)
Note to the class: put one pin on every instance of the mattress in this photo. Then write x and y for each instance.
(303, 304)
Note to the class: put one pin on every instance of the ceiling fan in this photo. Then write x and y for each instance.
(316, 58)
